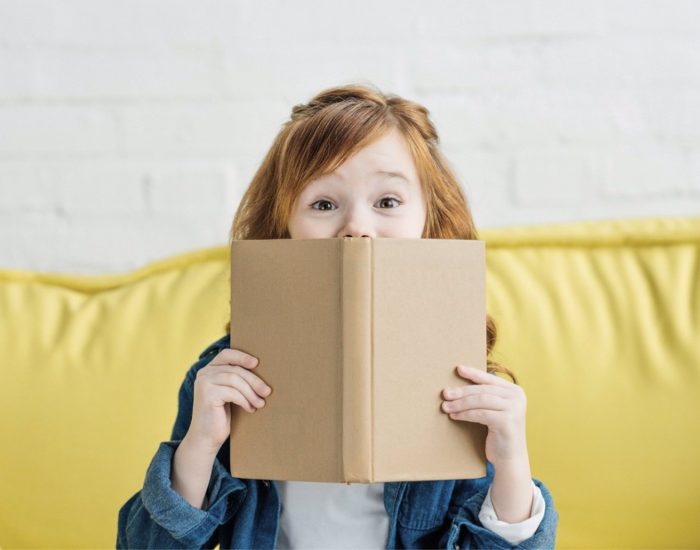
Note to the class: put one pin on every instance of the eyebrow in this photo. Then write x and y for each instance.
(393, 174)
(386, 173)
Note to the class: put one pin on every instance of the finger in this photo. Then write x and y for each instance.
(258, 385)
(235, 357)
(480, 416)
(457, 392)
(232, 395)
(236, 380)
(481, 377)
(214, 371)
(477, 401)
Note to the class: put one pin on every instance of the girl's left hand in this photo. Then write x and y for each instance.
(496, 403)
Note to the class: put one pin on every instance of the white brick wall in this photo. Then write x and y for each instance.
(130, 129)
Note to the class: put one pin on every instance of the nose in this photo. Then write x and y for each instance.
(357, 225)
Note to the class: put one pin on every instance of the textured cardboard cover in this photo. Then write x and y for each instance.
(357, 338)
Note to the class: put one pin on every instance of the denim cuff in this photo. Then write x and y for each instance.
(468, 531)
(186, 523)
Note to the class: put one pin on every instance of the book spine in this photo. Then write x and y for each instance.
(356, 358)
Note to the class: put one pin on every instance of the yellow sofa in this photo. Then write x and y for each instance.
(600, 321)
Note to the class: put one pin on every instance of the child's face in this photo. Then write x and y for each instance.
(357, 201)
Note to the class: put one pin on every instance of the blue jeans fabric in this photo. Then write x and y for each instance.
(244, 513)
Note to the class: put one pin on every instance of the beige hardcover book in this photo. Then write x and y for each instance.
(357, 338)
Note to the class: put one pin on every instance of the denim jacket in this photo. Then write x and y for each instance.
(244, 513)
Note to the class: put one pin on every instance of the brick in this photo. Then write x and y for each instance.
(129, 74)
(673, 114)
(317, 24)
(89, 24)
(19, 74)
(284, 72)
(671, 16)
(462, 122)
(461, 22)
(554, 176)
(450, 69)
(635, 171)
(94, 244)
(29, 240)
(525, 117)
(23, 188)
(67, 188)
(189, 187)
(97, 187)
(624, 60)
(56, 130)
(25, 23)
(202, 129)
(484, 177)
(694, 170)
(122, 243)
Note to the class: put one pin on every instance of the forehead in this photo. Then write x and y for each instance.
(389, 154)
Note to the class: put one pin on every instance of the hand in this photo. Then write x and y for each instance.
(226, 380)
(496, 403)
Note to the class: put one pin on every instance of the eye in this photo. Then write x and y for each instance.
(392, 199)
(322, 201)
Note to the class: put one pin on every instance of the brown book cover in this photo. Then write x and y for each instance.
(357, 337)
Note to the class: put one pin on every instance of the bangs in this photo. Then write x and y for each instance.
(325, 141)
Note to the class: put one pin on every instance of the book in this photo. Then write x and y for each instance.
(358, 337)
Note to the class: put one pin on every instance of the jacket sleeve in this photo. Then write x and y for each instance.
(514, 532)
(159, 517)
(467, 531)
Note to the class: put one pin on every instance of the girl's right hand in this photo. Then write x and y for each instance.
(226, 381)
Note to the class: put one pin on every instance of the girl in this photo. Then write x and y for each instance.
(351, 162)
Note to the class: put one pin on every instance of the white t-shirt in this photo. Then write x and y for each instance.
(341, 515)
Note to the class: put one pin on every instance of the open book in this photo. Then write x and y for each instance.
(357, 337)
